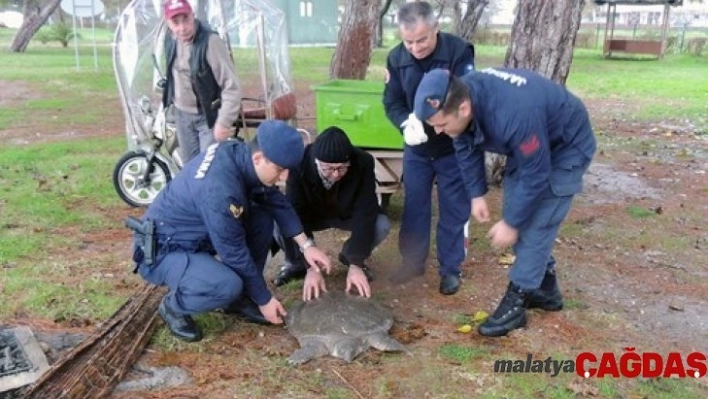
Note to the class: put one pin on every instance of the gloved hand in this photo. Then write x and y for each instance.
(413, 132)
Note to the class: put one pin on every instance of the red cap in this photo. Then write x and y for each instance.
(176, 7)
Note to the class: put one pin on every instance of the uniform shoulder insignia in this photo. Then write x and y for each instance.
(530, 146)
(237, 211)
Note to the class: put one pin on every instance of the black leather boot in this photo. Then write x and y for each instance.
(367, 271)
(449, 284)
(290, 272)
(510, 315)
(548, 296)
(247, 310)
(182, 327)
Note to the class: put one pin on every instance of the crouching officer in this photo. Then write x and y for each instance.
(545, 133)
(335, 187)
(224, 202)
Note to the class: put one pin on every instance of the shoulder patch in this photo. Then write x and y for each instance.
(530, 146)
(237, 211)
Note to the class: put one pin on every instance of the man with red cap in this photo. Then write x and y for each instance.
(201, 81)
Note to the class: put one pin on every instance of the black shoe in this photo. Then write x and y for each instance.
(449, 284)
(182, 327)
(246, 309)
(548, 297)
(510, 315)
(288, 273)
(403, 275)
(367, 271)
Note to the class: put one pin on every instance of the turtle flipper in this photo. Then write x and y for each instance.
(309, 350)
(348, 348)
(383, 342)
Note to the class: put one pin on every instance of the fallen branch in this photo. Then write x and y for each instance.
(348, 384)
(94, 367)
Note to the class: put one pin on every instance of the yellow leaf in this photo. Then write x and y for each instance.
(465, 329)
(480, 316)
(506, 259)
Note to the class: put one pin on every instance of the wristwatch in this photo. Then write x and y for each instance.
(309, 243)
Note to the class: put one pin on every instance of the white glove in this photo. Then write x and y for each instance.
(413, 132)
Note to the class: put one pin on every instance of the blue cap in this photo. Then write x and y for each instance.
(431, 93)
(280, 143)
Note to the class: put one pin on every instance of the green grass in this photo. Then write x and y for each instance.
(462, 353)
(49, 187)
(35, 290)
(638, 212)
(670, 88)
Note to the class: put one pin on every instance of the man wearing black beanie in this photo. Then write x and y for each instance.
(335, 187)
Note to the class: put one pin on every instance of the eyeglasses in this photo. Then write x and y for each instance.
(331, 168)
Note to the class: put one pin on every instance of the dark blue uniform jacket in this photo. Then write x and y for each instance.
(404, 75)
(205, 206)
(540, 126)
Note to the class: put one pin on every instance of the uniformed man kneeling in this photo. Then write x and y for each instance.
(225, 202)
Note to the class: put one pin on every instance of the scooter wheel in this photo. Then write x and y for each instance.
(129, 181)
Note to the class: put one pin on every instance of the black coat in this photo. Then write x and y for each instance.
(204, 84)
(354, 196)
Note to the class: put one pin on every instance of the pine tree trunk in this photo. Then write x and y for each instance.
(543, 36)
(356, 40)
(35, 15)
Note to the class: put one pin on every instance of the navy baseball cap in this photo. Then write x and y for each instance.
(431, 93)
(280, 143)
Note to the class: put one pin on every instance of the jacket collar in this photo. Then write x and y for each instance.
(439, 54)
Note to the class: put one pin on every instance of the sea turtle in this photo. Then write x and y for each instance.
(341, 325)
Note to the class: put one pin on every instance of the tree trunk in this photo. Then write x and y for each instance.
(35, 15)
(379, 30)
(543, 36)
(466, 24)
(542, 40)
(355, 42)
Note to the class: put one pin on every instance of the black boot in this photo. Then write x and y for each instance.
(367, 271)
(246, 309)
(182, 327)
(290, 272)
(449, 284)
(510, 315)
(548, 296)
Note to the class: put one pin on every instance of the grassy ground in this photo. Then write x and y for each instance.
(63, 250)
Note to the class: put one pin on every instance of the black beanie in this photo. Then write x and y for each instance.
(332, 146)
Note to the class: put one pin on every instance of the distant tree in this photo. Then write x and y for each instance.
(543, 36)
(466, 24)
(356, 40)
(57, 32)
(379, 31)
(36, 13)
